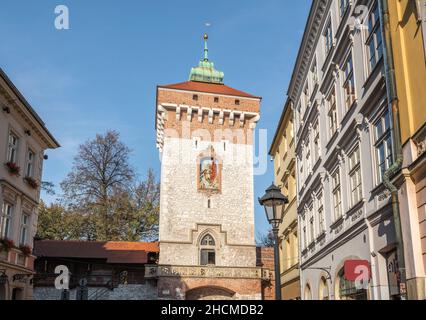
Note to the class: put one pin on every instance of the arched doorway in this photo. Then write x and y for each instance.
(308, 292)
(210, 293)
(323, 289)
(347, 290)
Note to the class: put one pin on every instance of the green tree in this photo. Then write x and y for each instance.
(100, 171)
(102, 200)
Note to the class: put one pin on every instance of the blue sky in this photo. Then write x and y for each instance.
(102, 73)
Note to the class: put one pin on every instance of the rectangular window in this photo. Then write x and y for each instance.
(328, 38)
(24, 229)
(355, 177)
(305, 238)
(30, 164)
(316, 142)
(374, 40)
(312, 228)
(332, 113)
(349, 82)
(314, 72)
(6, 220)
(343, 6)
(337, 195)
(12, 153)
(321, 217)
(208, 257)
(383, 145)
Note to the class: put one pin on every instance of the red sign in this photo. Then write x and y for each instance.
(357, 270)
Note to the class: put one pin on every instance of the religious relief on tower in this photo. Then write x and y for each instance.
(209, 172)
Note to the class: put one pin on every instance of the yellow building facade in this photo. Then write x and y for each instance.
(283, 153)
(407, 31)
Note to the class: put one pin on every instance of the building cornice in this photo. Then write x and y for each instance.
(25, 110)
(308, 45)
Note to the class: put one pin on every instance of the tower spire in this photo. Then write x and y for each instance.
(206, 49)
(205, 72)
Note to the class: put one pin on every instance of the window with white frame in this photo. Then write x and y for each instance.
(308, 162)
(25, 222)
(12, 152)
(302, 172)
(355, 176)
(314, 72)
(328, 38)
(29, 172)
(321, 217)
(383, 145)
(375, 39)
(311, 227)
(332, 113)
(6, 220)
(305, 99)
(304, 235)
(316, 142)
(337, 194)
(343, 6)
(349, 82)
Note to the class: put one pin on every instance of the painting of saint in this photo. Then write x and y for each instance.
(209, 175)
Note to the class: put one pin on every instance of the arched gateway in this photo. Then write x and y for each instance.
(210, 293)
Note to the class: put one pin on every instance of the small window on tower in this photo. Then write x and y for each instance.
(216, 99)
(195, 97)
(237, 102)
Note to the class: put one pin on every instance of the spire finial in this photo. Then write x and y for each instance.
(206, 49)
(205, 72)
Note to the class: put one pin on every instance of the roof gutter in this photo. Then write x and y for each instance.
(396, 132)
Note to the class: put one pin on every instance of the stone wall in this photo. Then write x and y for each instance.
(185, 215)
(147, 291)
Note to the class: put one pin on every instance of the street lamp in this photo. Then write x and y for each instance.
(273, 201)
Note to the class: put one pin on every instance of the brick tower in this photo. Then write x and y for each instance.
(205, 139)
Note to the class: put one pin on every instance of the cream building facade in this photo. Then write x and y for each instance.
(23, 141)
(343, 148)
(283, 153)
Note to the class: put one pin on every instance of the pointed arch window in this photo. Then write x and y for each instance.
(207, 251)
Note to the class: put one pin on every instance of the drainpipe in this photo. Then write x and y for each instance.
(396, 132)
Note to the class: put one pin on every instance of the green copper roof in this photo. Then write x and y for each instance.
(205, 72)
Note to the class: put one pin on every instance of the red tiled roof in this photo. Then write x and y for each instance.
(208, 88)
(113, 252)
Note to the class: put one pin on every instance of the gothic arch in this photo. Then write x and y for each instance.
(206, 232)
(323, 289)
(210, 293)
(307, 295)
